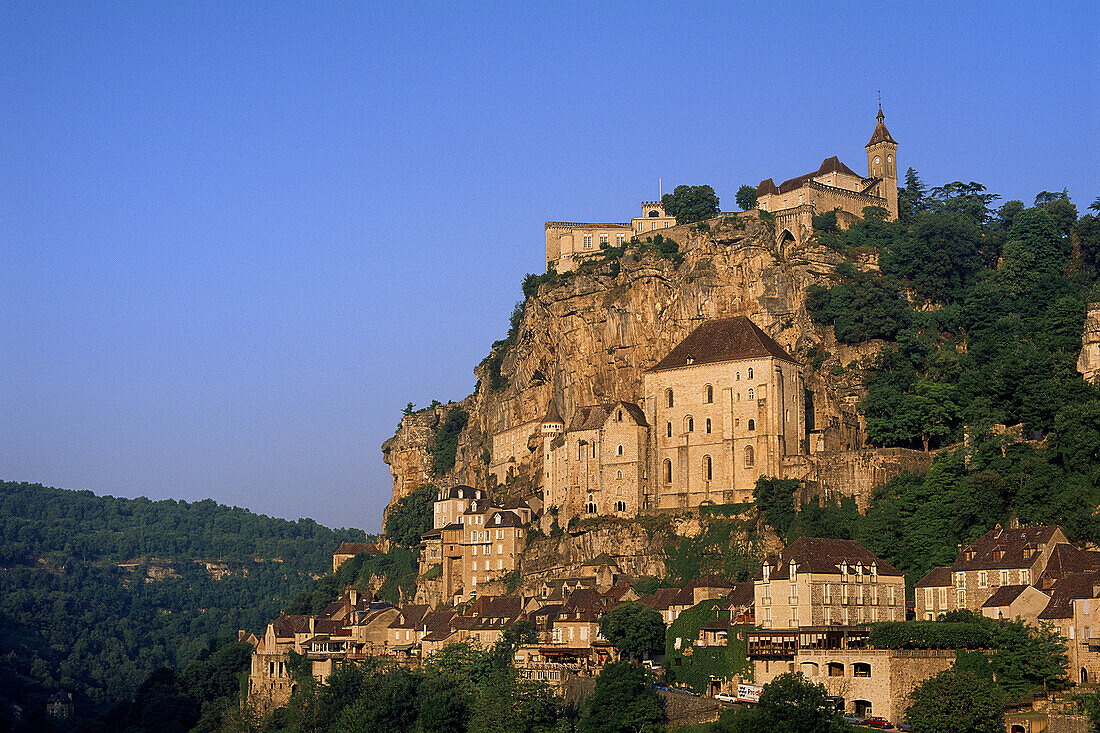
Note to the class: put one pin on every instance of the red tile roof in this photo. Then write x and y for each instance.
(723, 339)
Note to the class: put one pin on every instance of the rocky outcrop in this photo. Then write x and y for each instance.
(1088, 363)
(589, 338)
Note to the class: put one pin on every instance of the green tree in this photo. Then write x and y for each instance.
(634, 629)
(746, 197)
(411, 516)
(775, 500)
(691, 204)
(912, 199)
(623, 702)
(442, 705)
(444, 447)
(789, 703)
(957, 702)
(939, 258)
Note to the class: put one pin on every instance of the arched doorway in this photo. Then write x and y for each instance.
(1084, 676)
(862, 708)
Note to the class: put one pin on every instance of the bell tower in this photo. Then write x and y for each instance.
(882, 163)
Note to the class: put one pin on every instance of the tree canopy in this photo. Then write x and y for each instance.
(746, 197)
(634, 629)
(957, 701)
(691, 204)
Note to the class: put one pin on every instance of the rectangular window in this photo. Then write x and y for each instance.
(603, 241)
(961, 600)
(943, 599)
(960, 580)
(794, 617)
(983, 579)
(827, 595)
(1025, 577)
(500, 549)
(588, 241)
(891, 594)
(928, 598)
(828, 619)
(1004, 577)
(619, 239)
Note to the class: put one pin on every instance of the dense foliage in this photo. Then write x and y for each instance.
(623, 701)
(789, 703)
(411, 516)
(98, 592)
(930, 635)
(957, 701)
(461, 688)
(634, 629)
(746, 197)
(862, 306)
(691, 204)
(397, 568)
(696, 666)
(444, 446)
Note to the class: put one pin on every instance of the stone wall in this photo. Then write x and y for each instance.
(1088, 363)
(856, 473)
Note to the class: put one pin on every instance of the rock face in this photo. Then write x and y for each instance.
(1088, 363)
(590, 337)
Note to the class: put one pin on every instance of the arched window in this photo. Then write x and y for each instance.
(738, 375)
(748, 456)
(751, 397)
(709, 397)
(750, 372)
(668, 471)
(670, 430)
(752, 424)
(708, 425)
(620, 416)
(619, 473)
(708, 469)
(620, 506)
(861, 669)
(591, 508)
(668, 397)
(689, 424)
(619, 451)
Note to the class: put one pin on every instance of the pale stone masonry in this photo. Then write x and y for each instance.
(827, 582)
(569, 243)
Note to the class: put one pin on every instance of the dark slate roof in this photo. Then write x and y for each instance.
(822, 555)
(662, 598)
(708, 581)
(936, 578)
(881, 134)
(585, 604)
(742, 595)
(829, 165)
(1011, 542)
(410, 616)
(288, 625)
(506, 519)
(600, 560)
(1067, 560)
(593, 417)
(468, 492)
(1004, 596)
(1066, 590)
(724, 339)
(354, 548)
(552, 414)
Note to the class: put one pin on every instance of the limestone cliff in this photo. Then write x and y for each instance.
(589, 337)
(1088, 363)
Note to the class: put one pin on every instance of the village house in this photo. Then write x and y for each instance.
(824, 582)
(570, 243)
(348, 550)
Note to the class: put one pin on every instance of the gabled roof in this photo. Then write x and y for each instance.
(462, 491)
(289, 625)
(507, 518)
(410, 616)
(1068, 589)
(936, 578)
(742, 595)
(720, 340)
(1004, 596)
(593, 417)
(600, 560)
(1066, 560)
(829, 165)
(823, 555)
(662, 598)
(354, 548)
(1004, 548)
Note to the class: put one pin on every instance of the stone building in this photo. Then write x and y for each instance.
(598, 465)
(484, 545)
(568, 243)
(726, 406)
(1000, 557)
(834, 186)
(348, 550)
(826, 582)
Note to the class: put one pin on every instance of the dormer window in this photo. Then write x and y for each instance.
(619, 416)
(968, 555)
(498, 519)
(767, 571)
(998, 553)
(793, 570)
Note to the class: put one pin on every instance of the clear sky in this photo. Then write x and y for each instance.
(236, 238)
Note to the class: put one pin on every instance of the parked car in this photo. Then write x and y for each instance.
(658, 686)
(852, 719)
(726, 697)
(905, 725)
(684, 690)
(876, 722)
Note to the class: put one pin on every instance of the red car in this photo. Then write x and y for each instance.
(876, 722)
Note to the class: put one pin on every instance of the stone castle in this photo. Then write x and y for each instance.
(726, 405)
(832, 187)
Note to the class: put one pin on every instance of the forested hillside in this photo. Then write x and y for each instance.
(983, 309)
(97, 592)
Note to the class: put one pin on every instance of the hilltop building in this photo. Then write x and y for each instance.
(568, 242)
(835, 186)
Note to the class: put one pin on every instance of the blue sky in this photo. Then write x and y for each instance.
(237, 238)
